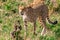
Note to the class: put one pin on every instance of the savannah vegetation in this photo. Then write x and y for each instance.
(9, 15)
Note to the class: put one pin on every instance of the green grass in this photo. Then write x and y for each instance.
(8, 18)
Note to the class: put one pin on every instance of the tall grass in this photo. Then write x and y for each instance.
(10, 14)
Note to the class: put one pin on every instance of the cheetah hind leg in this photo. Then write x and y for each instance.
(43, 24)
(44, 32)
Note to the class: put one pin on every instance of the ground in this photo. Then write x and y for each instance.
(8, 18)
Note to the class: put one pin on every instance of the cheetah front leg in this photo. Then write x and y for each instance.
(25, 29)
(34, 28)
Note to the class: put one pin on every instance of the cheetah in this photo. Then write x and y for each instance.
(30, 14)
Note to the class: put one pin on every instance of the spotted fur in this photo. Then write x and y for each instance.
(30, 14)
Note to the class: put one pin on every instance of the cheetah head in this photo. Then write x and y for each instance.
(23, 11)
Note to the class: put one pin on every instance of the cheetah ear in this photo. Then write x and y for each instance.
(42, 0)
(21, 7)
(29, 6)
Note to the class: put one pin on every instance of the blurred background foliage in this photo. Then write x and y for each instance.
(9, 14)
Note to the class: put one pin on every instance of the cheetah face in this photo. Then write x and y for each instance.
(22, 13)
(20, 10)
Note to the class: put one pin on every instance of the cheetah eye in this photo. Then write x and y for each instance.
(22, 13)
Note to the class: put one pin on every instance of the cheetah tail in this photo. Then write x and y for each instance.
(55, 22)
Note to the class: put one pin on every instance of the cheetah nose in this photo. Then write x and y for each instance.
(21, 13)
